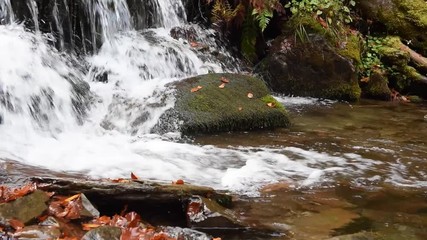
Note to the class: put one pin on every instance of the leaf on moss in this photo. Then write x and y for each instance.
(224, 80)
(222, 86)
(195, 89)
(250, 95)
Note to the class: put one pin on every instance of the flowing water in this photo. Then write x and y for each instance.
(92, 111)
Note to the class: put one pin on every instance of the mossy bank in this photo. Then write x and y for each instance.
(244, 103)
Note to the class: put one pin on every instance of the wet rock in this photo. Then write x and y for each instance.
(377, 86)
(103, 233)
(215, 109)
(186, 33)
(185, 233)
(312, 68)
(205, 213)
(38, 232)
(358, 236)
(25, 209)
(88, 209)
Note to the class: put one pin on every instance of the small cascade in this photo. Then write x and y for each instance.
(6, 12)
(32, 5)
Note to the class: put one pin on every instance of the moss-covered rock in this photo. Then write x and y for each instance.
(215, 109)
(377, 86)
(405, 18)
(314, 68)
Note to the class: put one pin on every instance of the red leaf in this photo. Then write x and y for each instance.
(133, 176)
(179, 182)
(224, 80)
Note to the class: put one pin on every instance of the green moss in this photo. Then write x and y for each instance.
(214, 109)
(270, 99)
(351, 48)
(345, 92)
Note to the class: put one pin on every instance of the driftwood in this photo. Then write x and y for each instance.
(417, 58)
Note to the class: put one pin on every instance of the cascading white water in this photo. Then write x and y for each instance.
(6, 13)
(44, 121)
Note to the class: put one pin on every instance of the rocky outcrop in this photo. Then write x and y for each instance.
(220, 103)
(405, 18)
(310, 68)
(376, 86)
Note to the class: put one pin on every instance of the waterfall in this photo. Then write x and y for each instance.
(6, 13)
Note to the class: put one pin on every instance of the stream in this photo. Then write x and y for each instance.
(86, 105)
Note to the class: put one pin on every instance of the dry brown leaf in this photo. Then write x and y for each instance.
(195, 89)
(224, 80)
(222, 85)
(133, 176)
(240, 108)
(271, 105)
(194, 44)
(250, 95)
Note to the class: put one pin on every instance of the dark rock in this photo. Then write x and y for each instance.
(311, 68)
(103, 233)
(205, 213)
(214, 109)
(25, 209)
(38, 232)
(377, 86)
(188, 33)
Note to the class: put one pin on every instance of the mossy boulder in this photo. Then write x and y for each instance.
(405, 18)
(376, 86)
(214, 109)
(312, 68)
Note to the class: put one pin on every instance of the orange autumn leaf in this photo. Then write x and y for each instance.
(90, 226)
(222, 85)
(216, 238)
(271, 105)
(72, 198)
(179, 182)
(224, 80)
(133, 176)
(194, 44)
(250, 95)
(16, 224)
(196, 89)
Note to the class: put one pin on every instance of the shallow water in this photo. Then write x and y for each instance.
(380, 187)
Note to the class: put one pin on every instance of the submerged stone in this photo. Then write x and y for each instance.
(206, 104)
(24, 209)
(38, 232)
(205, 213)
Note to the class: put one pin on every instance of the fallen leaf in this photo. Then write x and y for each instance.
(179, 182)
(240, 108)
(365, 79)
(90, 226)
(133, 176)
(194, 44)
(196, 89)
(250, 95)
(322, 22)
(271, 105)
(224, 80)
(216, 238)
(222, 85)
(72, 198)
(16, 224)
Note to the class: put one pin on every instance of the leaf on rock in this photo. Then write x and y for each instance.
(195, 89)
(133, 176)
(271, 105)
(194, 44)
(16, 224)
(250, 95)
(71, 198)
(90, 226)
(179, 182)
(8, 194)
(222, 85)
(224, 80)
